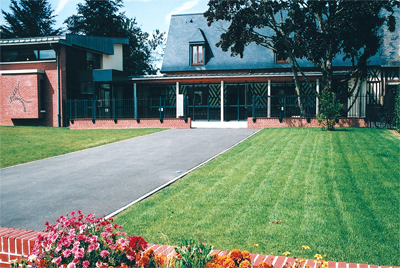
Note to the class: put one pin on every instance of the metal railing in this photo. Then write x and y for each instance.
(158, 107)
(284, 106)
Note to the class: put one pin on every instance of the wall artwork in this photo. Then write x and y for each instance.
(16, 96)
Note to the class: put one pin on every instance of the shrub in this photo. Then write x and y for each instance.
(192, 254)
(329, 111)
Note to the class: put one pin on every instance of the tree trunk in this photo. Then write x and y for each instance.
(297, 85)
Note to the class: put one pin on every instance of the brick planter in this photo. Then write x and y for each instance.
(87, 123)
(264, 122)
(15, 242)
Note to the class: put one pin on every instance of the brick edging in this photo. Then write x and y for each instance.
(17, 242)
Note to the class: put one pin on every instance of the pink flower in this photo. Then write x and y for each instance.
(104, 253)
(82, 227)
(105, 234)
(71, 265)
(113, 246)
(79, 254)
(97, 246)
(109, 229)
(58, 248)
(131, 258)
(86, 264)
(122, 241)
(91, 247)
(57, 260)
(73, 213)
(66, 253)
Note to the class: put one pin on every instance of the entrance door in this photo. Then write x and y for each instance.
(237, 103)
(203, 101)
(104, 101)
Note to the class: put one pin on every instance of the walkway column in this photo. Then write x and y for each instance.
(317, 99)
(269, 99)
(135, 100)
(176, 99)
(222, 101)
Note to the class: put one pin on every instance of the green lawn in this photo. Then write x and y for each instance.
(24, 144)
(337, 192)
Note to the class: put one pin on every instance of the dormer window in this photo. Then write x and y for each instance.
(197, 52)
(281, 58)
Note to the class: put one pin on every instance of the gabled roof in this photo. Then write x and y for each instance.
(96, 43)
(189, 28)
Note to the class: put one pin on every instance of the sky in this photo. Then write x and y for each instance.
(150, 14)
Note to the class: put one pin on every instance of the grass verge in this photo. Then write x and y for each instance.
(337, 192)
(24, 144)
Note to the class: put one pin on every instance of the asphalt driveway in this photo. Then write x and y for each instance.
(104, 179)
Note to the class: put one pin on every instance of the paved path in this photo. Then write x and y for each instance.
(104, 179)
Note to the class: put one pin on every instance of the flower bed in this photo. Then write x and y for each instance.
(78, 240)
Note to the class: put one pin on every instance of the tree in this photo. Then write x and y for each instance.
(138, 58)
(102, 18)
(29, 18)
(318, 31)
(98, 18)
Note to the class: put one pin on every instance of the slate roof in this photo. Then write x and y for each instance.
(186, 29)
(96, 43)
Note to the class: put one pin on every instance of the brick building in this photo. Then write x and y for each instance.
(39, 74)
(77, 81)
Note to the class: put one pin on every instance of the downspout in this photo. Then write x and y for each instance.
(58, 86)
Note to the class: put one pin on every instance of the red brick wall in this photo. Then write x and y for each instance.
(263, 122)
(14, 243)
(19, 96)
(49, 80)
(130, 123)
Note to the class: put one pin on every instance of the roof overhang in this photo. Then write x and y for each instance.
(236, 77)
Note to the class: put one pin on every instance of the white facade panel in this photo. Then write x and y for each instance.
(115, 61)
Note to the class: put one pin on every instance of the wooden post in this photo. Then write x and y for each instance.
(135, 100)
(317, 99)
(269, 99)
(222, 101)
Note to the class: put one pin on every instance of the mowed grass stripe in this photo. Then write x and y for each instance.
(330, 189)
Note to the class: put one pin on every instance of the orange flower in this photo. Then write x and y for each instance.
(246, 255)
(229, 263)
(144, 261)
(245, 264)
(149, 253)
(264, 265)
(160, 260)
(235, 255)
(221, 260)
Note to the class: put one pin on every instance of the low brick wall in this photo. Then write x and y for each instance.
(15, 242)
(86, 123)
(264, 122)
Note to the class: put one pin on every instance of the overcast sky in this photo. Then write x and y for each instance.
(149, 14)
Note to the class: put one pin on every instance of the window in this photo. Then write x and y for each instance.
(197, 55)
(92, 61)
(282, 58)
(47, 54)
(27, 54)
